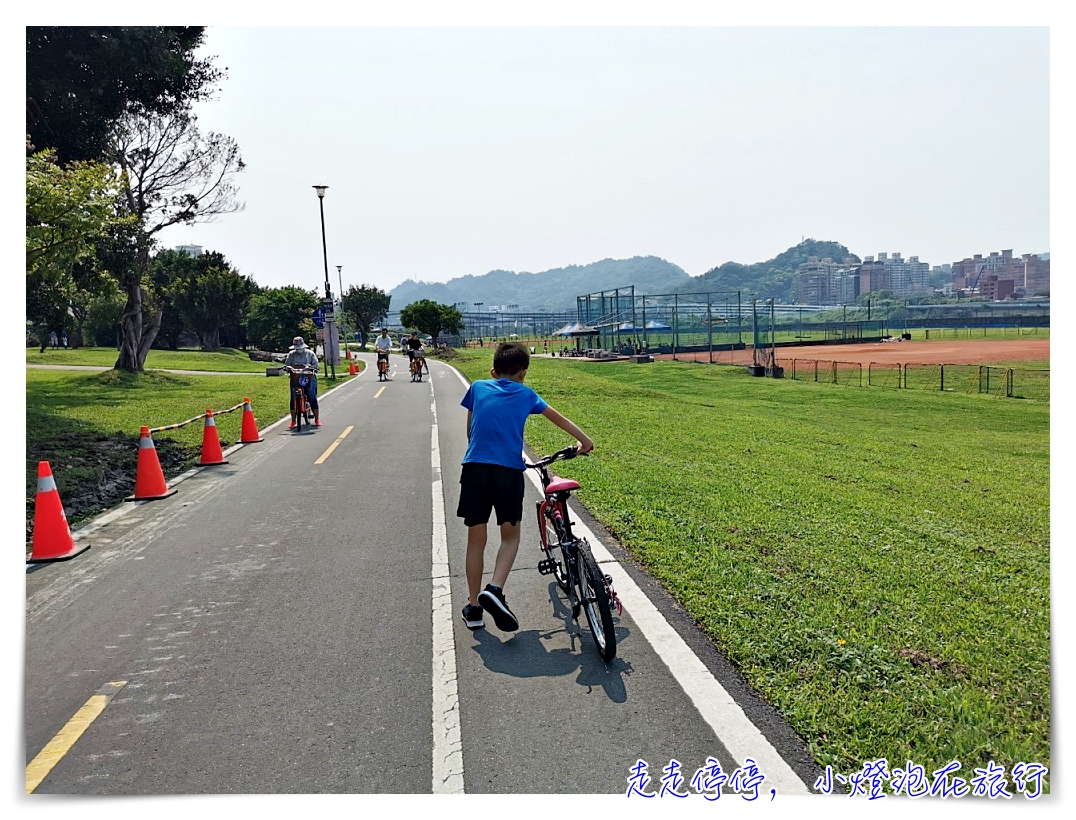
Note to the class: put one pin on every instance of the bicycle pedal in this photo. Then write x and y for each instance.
(547, 566)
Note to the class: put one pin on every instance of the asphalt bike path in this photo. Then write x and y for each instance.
(289, 623)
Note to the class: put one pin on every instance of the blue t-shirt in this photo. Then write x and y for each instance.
(499, 409)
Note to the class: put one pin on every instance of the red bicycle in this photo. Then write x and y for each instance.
(569, 559)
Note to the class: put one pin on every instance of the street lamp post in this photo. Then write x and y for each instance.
(328, 293)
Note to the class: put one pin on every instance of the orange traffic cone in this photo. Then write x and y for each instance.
(250, 426)
(52, 535)
(149, 480)
(211, 452)
(351, 369)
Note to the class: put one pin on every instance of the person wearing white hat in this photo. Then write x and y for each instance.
(302, 356)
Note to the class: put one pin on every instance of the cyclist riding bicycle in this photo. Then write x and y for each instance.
(382, 344)
(302, 356)
(413, 346)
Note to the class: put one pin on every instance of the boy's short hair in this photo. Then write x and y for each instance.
(510, 358)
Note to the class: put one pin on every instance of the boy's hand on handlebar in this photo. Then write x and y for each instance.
(583, 446)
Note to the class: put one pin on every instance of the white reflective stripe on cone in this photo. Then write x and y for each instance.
(146, 444)
(46, 484)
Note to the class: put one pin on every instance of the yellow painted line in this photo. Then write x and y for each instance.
(335, 444)
(379, 392)
(61, 744)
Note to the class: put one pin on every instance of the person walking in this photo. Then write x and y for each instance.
(491, 477)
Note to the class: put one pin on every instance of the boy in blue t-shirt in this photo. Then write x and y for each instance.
(492, 475)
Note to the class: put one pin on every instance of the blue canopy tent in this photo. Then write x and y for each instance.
(653, 324)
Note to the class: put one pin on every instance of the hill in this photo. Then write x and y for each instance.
(551, 290)
(775, 278)
(556, 289)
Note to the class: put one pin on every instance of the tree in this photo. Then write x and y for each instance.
(212, 296)
(81, 79)
(67, 210)
(431, 318)
(364, 307)
(277, 315)
(171, 175)
(167, 270)
(69, 213)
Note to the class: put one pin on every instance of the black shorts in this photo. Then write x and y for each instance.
(488, 487)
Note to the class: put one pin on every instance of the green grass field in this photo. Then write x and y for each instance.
(224, 360)
(875, 563)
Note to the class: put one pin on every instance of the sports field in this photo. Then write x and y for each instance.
(943, 351)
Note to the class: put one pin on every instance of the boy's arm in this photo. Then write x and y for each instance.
(582, 439)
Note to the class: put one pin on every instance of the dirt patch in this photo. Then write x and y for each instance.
(947, 351)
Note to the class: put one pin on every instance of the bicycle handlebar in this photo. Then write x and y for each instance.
(566, 453)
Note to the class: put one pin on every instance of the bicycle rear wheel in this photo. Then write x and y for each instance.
(595, 600)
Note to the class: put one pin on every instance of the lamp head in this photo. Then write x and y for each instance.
(321, 190)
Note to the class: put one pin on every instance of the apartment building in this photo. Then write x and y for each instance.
(1036, 274)
(826, 282)
(1029, 274)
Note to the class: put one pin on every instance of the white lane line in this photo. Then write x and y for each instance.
(716, 706)
(447, 745)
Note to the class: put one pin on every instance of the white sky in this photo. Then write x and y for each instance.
(454, 151)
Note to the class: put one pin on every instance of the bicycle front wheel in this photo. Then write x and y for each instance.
(595, 600)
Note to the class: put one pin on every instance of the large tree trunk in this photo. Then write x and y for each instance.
(210, 339)
(137, 338)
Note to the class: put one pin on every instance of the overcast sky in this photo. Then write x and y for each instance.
(454, 151)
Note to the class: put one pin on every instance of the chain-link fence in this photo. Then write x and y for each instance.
(1004, 382)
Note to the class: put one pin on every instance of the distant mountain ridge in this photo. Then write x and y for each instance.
(557, 289)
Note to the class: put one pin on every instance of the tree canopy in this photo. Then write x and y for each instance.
(277, 315)
(431, 318)
(203, 294)
(364, 307)
(67, 211)
(81, 79)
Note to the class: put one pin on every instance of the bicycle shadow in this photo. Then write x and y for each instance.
(525, 655)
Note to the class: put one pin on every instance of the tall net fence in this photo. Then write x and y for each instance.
(627, 322)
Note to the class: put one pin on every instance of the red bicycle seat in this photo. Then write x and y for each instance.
(558, 484)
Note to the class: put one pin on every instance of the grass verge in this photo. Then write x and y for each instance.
(220, 361)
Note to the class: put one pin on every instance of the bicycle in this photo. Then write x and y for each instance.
(418, 364)
(300, 402)
(382, 366)
(569, 559)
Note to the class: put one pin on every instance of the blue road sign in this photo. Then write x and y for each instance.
(319, 317)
